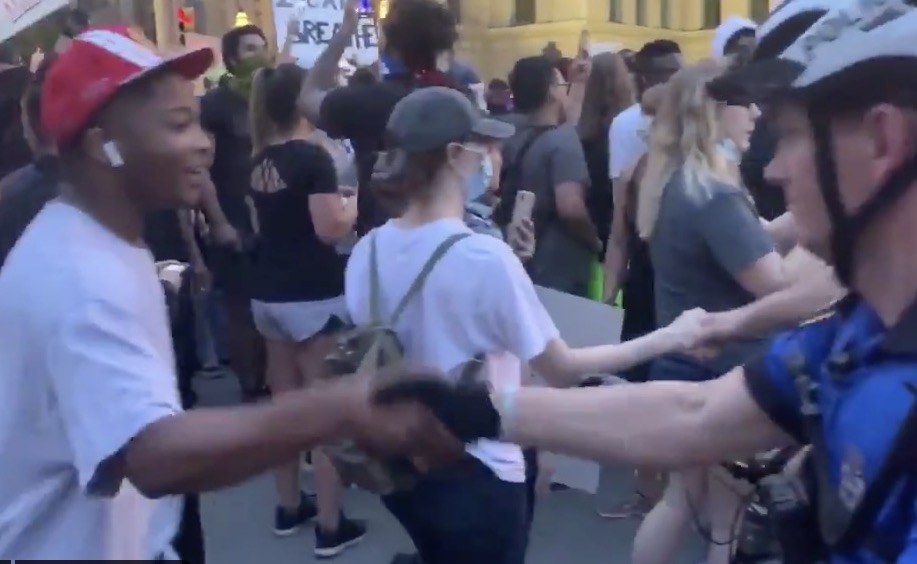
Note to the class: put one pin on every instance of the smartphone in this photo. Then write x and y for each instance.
(525, 204)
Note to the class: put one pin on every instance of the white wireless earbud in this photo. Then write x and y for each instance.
(110, 148)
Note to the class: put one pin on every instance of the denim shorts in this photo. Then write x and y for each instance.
(464, 515)
(299, 321)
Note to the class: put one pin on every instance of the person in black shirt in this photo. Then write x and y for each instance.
(416, 33)
(14, 152)
(609, 91)
(224, 115)
(27, 189)
(297, 280)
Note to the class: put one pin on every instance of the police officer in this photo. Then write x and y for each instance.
(843, 108)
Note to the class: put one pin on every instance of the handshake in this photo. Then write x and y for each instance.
(428, 419)
(418, 416)
(700, 333)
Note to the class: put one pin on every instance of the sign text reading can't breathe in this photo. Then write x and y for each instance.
(320, 31)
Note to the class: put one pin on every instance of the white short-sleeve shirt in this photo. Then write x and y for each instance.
(626, 140)
(86, 363)
(477, 300)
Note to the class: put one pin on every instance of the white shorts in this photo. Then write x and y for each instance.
(298, 321)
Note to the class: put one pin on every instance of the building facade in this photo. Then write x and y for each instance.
(495, 33)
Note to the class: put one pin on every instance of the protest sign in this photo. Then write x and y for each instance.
(582, 323)
(319, 20)
(17, 15)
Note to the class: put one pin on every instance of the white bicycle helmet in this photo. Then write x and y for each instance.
(856, 55)
(786, 23)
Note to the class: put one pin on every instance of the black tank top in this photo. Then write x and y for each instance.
(639, 297)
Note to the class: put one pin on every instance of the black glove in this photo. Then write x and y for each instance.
(466, 410)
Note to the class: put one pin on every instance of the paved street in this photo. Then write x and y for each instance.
(567, 530)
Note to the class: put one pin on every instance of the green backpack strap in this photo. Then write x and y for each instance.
(375, 307)
(417, 284)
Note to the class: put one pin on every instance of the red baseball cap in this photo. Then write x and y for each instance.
(97, 65)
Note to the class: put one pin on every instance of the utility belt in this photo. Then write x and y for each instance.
(814, 522)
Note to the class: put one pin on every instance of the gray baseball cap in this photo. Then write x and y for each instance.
(431, 118)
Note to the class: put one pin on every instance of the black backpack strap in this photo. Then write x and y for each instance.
(842, 529)
(833, 515)
(375, 290)
(899, 464)
(513, 170)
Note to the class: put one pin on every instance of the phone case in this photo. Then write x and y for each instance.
(525, 204)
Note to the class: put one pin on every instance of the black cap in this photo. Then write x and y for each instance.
(757, 82)
(431, 118)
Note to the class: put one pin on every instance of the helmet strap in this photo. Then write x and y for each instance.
(846, 227)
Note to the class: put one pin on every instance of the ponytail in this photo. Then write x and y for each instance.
(261, 123)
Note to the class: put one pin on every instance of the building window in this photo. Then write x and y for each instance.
(615, 12)
(641, 12)
(759, 9)
(712, 16)
(665, 21)
(455, 6)
(524, 12)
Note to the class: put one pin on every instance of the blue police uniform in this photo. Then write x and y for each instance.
(862, 371)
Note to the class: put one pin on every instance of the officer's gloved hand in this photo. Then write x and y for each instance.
(465, 409)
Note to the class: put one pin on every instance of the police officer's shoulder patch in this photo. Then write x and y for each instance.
(852, 484)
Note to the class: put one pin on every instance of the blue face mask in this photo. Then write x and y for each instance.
(477, 184)
(730, 150)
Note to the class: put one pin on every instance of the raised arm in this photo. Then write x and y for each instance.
(322, 76)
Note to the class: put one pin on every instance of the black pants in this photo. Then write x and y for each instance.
(189, 542)
(531, 478)
(464, 515)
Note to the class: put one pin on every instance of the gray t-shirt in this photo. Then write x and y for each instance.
(698, 247)
(556, 157)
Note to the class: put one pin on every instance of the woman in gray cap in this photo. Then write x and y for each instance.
(477, 309)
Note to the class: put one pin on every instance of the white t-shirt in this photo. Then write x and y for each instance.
(626, 140)
(86, 363)
(477, 300)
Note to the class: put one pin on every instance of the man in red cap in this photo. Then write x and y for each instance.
(95, 444)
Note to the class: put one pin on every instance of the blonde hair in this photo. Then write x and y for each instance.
(684, 140)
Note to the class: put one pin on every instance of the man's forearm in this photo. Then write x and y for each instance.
(653, 424)
(208, 449)
(323, 74)
(322, 77)
(784, 309)
(583, 230)
(657, 425)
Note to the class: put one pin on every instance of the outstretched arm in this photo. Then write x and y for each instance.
(660, 424)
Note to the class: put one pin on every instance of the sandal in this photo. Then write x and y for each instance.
(637, 506)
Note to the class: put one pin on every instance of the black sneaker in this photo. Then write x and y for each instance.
(287, 522)
(349, 533)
